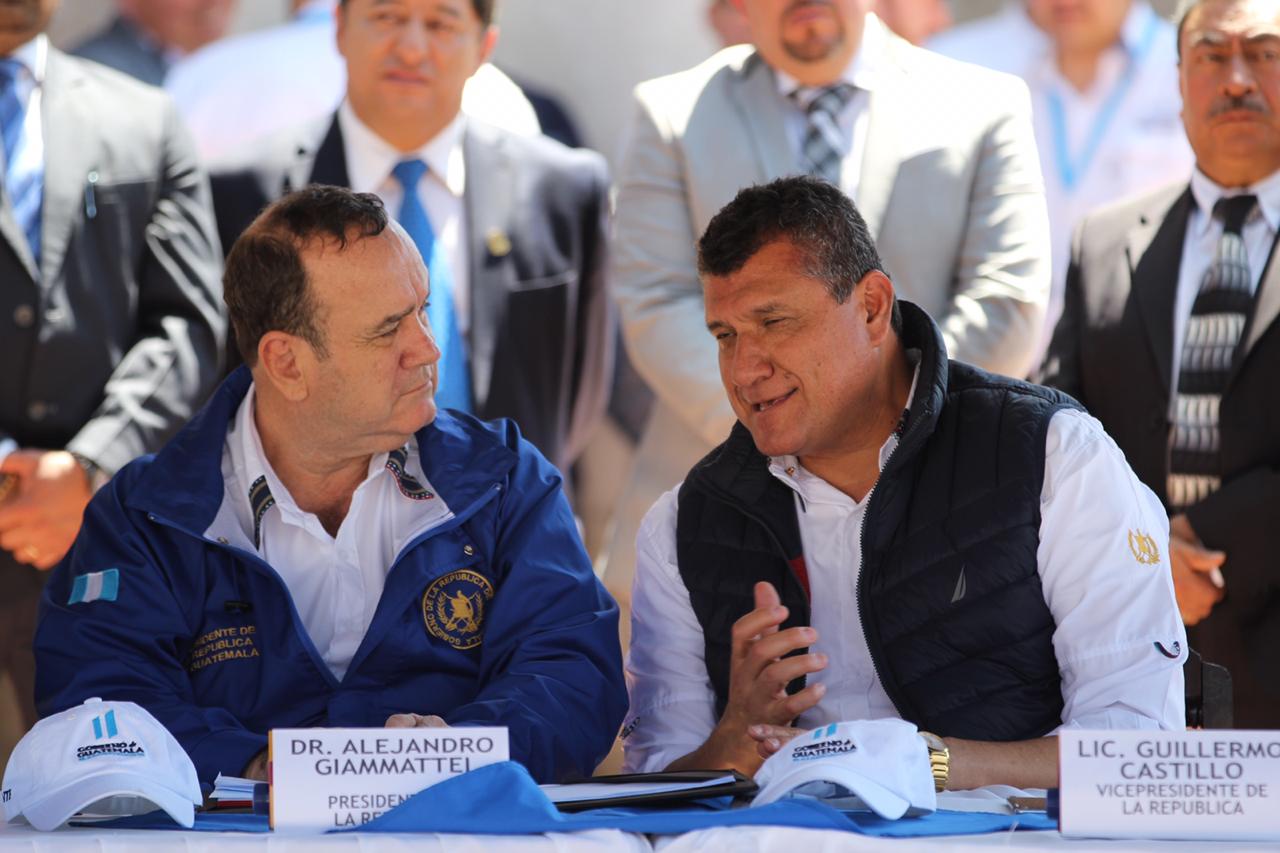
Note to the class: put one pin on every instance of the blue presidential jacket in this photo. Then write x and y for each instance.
(492, 618)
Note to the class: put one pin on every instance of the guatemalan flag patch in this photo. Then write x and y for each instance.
(95, 586)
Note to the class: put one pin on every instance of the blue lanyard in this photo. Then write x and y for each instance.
(1071, 171)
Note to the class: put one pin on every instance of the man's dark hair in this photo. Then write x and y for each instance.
(485, 10)
(814, 216)
(265, 284)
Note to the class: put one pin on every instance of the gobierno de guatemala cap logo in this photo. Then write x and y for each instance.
(825, 745)
(104, 729)
(453, 607)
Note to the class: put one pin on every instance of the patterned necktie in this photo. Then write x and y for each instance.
(823, 147)
(23, 180)
(1208, 351)
(453, 384)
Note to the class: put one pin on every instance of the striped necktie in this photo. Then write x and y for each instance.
(1213, 335)
(453, 384)
(23, 179)
(823, 147)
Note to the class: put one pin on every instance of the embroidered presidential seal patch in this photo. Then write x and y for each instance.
(453, 607)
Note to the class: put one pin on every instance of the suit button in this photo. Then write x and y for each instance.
(1158, 421)
(37, 410)
(24, 316)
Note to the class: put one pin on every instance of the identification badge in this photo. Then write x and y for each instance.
(1211, 785)
(323, 779)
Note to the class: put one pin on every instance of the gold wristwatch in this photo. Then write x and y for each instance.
(939, 759)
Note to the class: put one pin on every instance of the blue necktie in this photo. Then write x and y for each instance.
(23, 181)
(453, 390)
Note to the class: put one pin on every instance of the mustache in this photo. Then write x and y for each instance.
(1248, 103)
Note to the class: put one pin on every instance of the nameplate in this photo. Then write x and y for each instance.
(1216, 785)
(323, 779)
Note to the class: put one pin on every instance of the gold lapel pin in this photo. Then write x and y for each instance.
(498, 242)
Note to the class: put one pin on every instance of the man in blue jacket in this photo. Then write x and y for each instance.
(321, 547)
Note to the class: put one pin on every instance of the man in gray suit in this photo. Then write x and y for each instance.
(111, 315)
(938, 155)
(146, 36)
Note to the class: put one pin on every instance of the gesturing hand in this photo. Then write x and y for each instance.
(758, 676)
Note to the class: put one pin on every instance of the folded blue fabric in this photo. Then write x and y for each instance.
(502, 799)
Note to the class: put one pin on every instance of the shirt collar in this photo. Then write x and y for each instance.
(789, 470)
(370, 158)
(33, 56)
(862, 70)
(1207, 193)
(264, 489)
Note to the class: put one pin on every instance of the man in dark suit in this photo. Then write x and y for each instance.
(1170, 337)
(512, 228)
(111, 317)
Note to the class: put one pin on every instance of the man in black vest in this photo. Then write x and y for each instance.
(887, 533)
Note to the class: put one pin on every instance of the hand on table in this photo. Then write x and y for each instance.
(40, 519)
(770, 739)
(415, 721)
(1197, 572)
(256, 769)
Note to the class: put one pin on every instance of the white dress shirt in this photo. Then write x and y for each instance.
(852, 120)
(1132, 109)
(1201, 243)
(242, 88)
(335, 581)
(370, 159)
(1109, 609)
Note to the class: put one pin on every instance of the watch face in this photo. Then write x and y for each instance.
(934, 742)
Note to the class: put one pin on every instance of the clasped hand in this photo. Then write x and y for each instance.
(40, 520)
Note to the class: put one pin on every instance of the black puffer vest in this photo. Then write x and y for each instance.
(948, 592)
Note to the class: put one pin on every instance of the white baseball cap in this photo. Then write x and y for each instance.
(884, 764)
(108, 758)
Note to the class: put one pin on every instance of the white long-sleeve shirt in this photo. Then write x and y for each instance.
(1111, 609)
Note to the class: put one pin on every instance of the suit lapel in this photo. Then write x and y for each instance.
(328, 166)
(1266, 307)
(489, 205)
(17, 241)
(755, 96)
(68, 159)
(1155, 257)
(888, 137)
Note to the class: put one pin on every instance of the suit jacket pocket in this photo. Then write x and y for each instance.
(563, 279)
(116, 216)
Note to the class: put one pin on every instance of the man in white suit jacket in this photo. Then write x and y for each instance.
(939, 156)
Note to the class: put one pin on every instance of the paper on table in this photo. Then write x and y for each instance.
(613, 791)
(232, 788)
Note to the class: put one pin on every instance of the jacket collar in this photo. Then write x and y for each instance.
(461, 457)
(738, 472)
